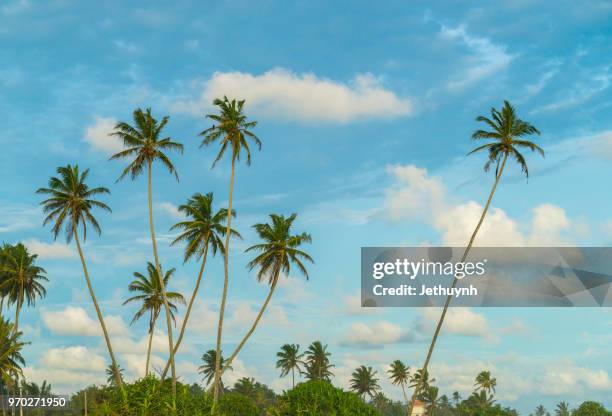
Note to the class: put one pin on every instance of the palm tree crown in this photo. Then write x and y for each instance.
(208, 368)
(70, 201)
(144, 143)
(21, 277)
(399, 373)
(289, 359)
(11, 359)
(364, 381)
(114, 372)
(317, 362)
(485, 382)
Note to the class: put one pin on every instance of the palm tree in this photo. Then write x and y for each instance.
(364, 382)
(420, 381)
(485, 382)
(114, 373)
(145, 145)
(481, 400)
(232, 129)
(317, 362)
(430, 398)
(275, 255)
(11, 359)
(540, 411)
(562, 409)
(21, 278)
(202, 231)
(456, 398)
(508, 136)
(69, 206)
(33, 389)
(289, 360)
(151, 299)
(399, 374)
(208, 368)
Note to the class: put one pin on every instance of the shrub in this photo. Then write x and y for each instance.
(234, 404)
(591, 409)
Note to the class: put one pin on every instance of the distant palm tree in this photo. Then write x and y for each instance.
(21, 278)
(114, 373)
(430, 398)
(456, 398)
(208, 368)
(540, 411)
(485, 382)
(481, 399)
(289, 360)
(420, 381)
(507, 134)
(69, 206)
(244, 386)
(33, 389)
(276, 254)
(562, 409)
(399, 374)
(151, 299)
(317, 362)
(11, 346)
(364, 382)
(201, 231)
(145, 145)
(232, 129)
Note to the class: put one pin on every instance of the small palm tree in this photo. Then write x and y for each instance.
(232, 130)
(420, 381)
(485, 382)
(69, 206)
(21, 278)
(11, 346)
(562, 409)
(508, 134)
(289, 360)
(151, 299)
(456, 398)
(364, 382)
(276, 254)
(399, 374)
(430, 398)
(33, 389)
(201, 231)
(208, 368)
(540, 410)
(114, 373)
(317, 362)
(145, 145)
(482, 400)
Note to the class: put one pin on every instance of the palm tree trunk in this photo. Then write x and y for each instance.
(404, 391)
(455, 280)
(217, 381)
(259, 315)
(191, 302)
(17, 310)
(98, 312)
(85, 402)
(151, 330)
(162, 285)
(292, 378)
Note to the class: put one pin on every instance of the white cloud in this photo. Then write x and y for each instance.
(53, 250)
(16, 217)
(375, 334)
(570, 379)
(98, 136)
(280, 93)
(170, 209)
(73, 358)
(76, 321)
(458, 321)
(63, 380)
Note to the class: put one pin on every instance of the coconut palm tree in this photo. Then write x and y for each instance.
(151, 299)
(508, 134)
(364, 382)
(232, 130)
(481, 400)
(289, 360)
(399, 374)
(114, 373)
(208, 368)
(279, 250)
(430, 398)
(202, 231)
(69, 207)
(456, 398)
(420, 381)
(317, 362)
(21, 278)
(145, 145)
(11, 359)
(485, 382)
(562, 409)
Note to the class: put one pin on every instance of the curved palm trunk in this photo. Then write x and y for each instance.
(449, 298)
(404, 391)
(259, 315)
(162, 285)
(217, 382)
(98, 312)
(151, 330)
(191, 302)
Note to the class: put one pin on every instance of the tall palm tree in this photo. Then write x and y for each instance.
(207, 369)
(231, 128)
(279, 250)
(485, 382)
(289, 360)
(317, 362)
(562, 409)
(364, 382)
(11, 359)
(69, 206)
(114, 373)
(430, 398)
(201, 231)
(21, 278)
(151, 299)
(399, 374)
(507, 135)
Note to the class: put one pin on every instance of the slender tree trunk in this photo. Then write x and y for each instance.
(162, 285)
(187, 313)
(292, 378)
(455, 280)
(151, 330)
(404, 391)
(85, 392)
(98, 312)
(1, 306)
(217, 383)
(17, 310)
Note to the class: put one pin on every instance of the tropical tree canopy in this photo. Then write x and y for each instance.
(289, 359)
(20, 276)
(364, 381)
(317, 362)
(207, 369)
(11, 360)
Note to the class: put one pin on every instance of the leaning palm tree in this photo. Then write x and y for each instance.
(289, 360)
(207, 369)
(399, 374)
(21, 278)
(201, 231)
(317, 363)
(114, 373)
(364, 382)
(69, 207)
(508, 134)
(232, 129)
(11, 359)
(562, 409)
(145, 145)
(151, 299)
(275, 256)
(485, 382)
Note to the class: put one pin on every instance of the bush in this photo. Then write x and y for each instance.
(591, 409)
(316, 398)
(234, 404)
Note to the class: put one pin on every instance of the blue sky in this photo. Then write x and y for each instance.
(365, 114)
